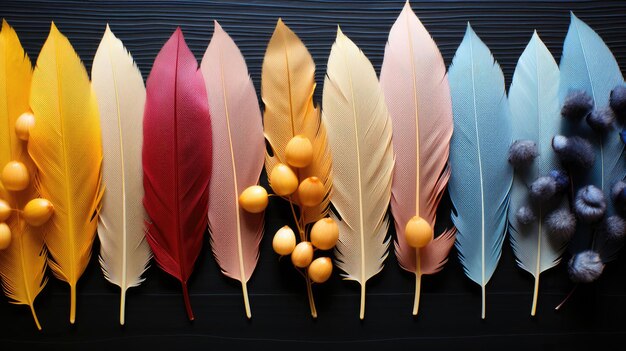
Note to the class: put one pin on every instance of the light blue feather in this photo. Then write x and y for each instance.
(588, 64)
(481, 177)
(535, 114)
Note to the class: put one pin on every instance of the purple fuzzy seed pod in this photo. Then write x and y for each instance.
(601, 120)
(618, 195)
(575, 151)
(613, 229)
(617, 101)
(543, 188)
(522, 153)
(578, 104)
(561, 223)
(561, 178)
(525, 215)
(590, 204)
(585, 267)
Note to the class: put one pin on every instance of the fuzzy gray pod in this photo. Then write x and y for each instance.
(543, 188)
(618, 195)
(601, 120)
(561, 223)
(578, 104)
(617, 101)
(525, 215)
(614, 228)
(585, 267)
(574, 150)
(522, 153)
(590, 204)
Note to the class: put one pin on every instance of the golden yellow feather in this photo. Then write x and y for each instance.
(23, 263)
(65, 144)
(288, 83)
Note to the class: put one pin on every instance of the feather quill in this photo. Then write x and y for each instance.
(118, 85)
(413, 78)
(359, 135)
(176, 160)
(23, 263)
(238, 157)
(534, 103)
(65, 144)
(287, 86)
(587, 64)
(481, 177)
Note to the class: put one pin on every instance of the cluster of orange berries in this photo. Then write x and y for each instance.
(15, 177)
(309, 193)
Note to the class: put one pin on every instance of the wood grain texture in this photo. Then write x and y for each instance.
(595, 316)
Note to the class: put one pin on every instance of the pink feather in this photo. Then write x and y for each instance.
(176, 160)
(238, 157)
(415, 84)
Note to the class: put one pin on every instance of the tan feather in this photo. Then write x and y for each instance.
(288, 83)
(359, 135)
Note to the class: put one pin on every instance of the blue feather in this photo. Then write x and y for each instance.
(588, 64)
(534, 102)
(481, 178)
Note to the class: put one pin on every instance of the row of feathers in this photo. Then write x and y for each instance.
(149, 168)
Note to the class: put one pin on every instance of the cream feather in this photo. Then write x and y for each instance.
(359, 135)
(118, 85)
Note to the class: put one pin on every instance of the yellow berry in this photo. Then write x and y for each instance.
(302, 254)
(418, 232)
(320, 270)
(15, 176)
(311, 192)
(253, 199)
(324, 234)
(284, 241)
(283, 180)
(5, 211)
(38, 211)
(23, 124)
(5, 236)
(299, 151)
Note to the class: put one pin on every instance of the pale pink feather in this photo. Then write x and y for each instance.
(415, 84)
(236, 121)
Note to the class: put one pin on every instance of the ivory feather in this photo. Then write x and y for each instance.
(414, 81)
(118, 85)
(65, 144)
(23, 263)
(238, 157)
(359, 135)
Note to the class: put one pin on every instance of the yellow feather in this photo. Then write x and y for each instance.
(288, 83)
(23, 263)
(65, 144)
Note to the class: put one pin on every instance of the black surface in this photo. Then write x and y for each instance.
(450, 308)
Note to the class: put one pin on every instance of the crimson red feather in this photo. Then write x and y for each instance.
(176, 160)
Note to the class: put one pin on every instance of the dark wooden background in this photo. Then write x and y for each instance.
(450, 309)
